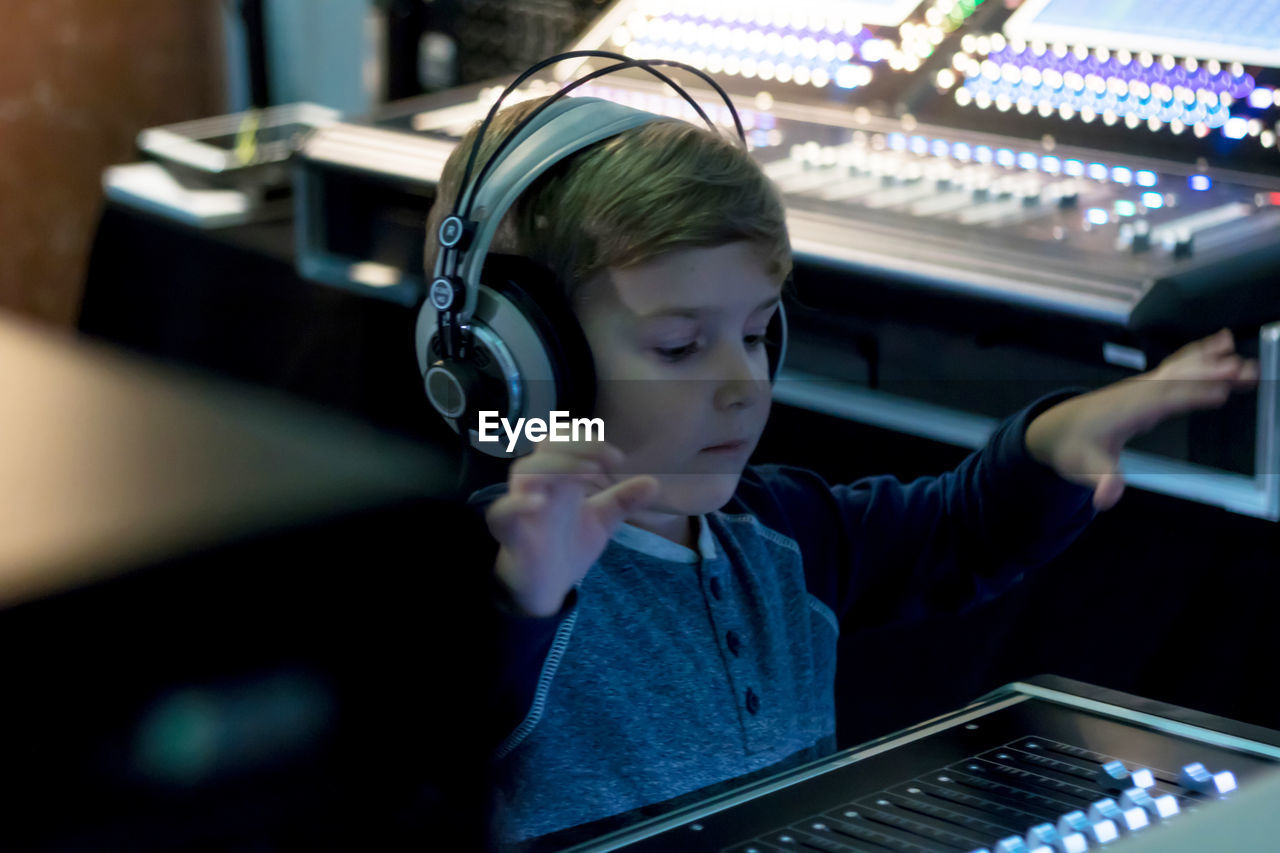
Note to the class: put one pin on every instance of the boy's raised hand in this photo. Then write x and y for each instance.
(1081, 438)
(561, 507)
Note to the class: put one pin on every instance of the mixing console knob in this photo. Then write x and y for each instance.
(1131, 819)
(1157, 808)
(1197, 778)
(1046, 836)
(1143, 778)
(1182, 245)
(1012, 844)
(1141, 235)
(1078, 823)
(1113, 776)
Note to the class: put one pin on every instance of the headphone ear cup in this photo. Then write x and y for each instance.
(775, 341)
(538, 295)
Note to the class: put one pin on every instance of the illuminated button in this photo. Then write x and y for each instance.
(1043, 835)
(1131, 819)
(1152, 201)
(1073, 842)
(1141, 799)
(1224, 782)
(1097, 216)
(1200, 183)
(1196, 777)
(1122, 175)
(1145, 178)
(1143, 778)
(1113, 776)
(1012, 844)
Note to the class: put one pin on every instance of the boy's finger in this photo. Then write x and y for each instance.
(1219, 342)
(1108, 490)
(615, 503)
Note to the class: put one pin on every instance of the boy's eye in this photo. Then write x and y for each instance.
(677, 353)
(754, 340)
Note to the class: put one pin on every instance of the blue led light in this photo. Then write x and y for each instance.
(939, 148)
(1199, 183)
(1152, 201)
(1027, 160)
(1005, 157)
(1052, 165)
(919, 145)
(898, 141)
(1073, 168)
(1124, 207)
(983, 154)
(961, 151)
(1122, 175)
(1098, 171)
(1146, 178)
(1097, 216)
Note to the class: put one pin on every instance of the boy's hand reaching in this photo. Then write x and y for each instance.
(561, 507)
(1082, 438)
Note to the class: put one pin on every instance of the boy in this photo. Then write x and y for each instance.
(671, 614)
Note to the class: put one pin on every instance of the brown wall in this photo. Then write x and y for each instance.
(78, 80)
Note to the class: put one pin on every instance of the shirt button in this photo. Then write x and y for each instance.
(753, 702)
(715, 588)
(734, 642)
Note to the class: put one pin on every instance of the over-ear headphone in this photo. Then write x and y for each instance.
(496, 332)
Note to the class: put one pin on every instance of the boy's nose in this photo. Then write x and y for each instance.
(740, 381)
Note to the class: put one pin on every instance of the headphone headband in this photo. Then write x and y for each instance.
(554, 130)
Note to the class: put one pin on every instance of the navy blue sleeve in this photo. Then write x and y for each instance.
(879, 551)
(523, 641)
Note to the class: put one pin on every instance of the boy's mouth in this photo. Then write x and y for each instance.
(726, 447)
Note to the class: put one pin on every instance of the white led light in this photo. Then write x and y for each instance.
(1050, 164)
(782, 73)
(1097, 216)
(800, 74)
(732, 65)
(1098, 171)
(1028, 160)
(820, 77)
(773, 44)
(846, 76)
(1235, 128)
(790, 46)
(844, 51)
(945, 79)
(964, 97)
(827, 50)
(1073, 168)
(765, 70)
(1152, 201)
(1122, 175)
(1144, 178)
(808, 47)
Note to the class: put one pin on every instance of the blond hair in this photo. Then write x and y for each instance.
(662, 186)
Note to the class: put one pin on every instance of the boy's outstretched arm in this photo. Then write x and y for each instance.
(1081, 438)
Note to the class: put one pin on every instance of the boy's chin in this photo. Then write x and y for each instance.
(696, 494)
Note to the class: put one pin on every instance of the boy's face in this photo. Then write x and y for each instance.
(683, 373)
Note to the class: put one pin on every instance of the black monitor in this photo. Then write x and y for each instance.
(228, 622)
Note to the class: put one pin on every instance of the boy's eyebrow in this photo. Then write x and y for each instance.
(693, 313)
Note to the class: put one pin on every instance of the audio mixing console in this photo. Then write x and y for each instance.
(1100, 182)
